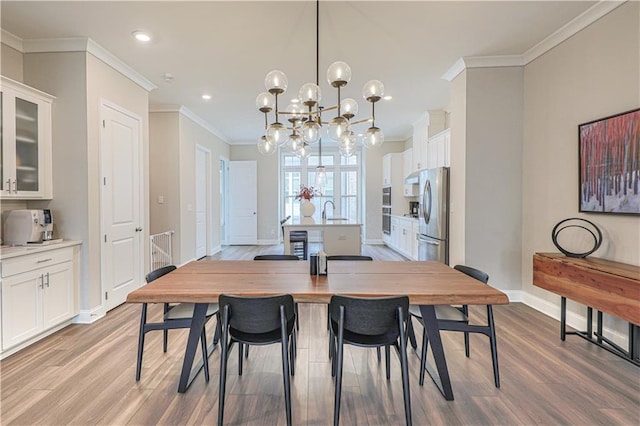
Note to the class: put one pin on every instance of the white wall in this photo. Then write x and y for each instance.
(164, 176)
(458, 159)
(493, 175)
(592, 75)
(11, 62)
(173, 141)
(268, 190)
(79, 81)
(192, 134)
(486, 173)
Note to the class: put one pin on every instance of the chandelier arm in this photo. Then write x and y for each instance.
(364, 120)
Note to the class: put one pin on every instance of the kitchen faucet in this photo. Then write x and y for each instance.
(324, 209)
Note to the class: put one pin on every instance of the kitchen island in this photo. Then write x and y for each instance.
(338, 236)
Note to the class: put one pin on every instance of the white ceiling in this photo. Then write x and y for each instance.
(226, 48)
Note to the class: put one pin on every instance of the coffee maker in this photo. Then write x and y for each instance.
(413, 208)
(22, 227)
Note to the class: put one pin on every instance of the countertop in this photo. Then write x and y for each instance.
(310, 222)
(7, 252)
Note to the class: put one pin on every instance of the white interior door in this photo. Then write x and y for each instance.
(121, 167)
(202, 180)
(243, 202)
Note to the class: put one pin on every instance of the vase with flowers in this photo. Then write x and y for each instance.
(305, 195)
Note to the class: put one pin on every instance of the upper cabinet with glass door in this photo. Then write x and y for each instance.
(25, 142)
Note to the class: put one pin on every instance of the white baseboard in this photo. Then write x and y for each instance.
(574, 320)
(374, 242)
(514, 295)
(215, 250)
(184, 263)
(268, 242)
(90, 316)
(34, 339)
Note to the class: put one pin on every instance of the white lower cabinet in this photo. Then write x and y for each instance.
(403, 237)
(38, 293)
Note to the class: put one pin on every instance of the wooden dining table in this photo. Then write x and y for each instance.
(425, 283)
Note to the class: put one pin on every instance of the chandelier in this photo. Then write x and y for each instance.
(300, 125)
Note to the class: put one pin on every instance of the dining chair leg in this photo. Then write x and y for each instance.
(223, 364)
(338, 361)
(292, 353)
(412, 333)
(405, 369)
(295, 308)
(379, 353)
(285, 364)
(494, 346)
(165, 333)
(387, 356)
(240, 351)
(465, 311)
(143, 321)
(423, 355)
(246, 351)
(205, 354)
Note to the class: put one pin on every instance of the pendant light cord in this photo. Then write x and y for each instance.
(318, 73)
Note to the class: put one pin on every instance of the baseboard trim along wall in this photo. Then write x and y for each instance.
(268, 242)
(90, 316)
(574, 320)
(215, 250)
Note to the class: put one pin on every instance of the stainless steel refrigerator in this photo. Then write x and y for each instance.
(434, 215)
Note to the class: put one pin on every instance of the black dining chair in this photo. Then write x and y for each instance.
(257, 321)
(175, 316)
(369, 323)
(456, 318)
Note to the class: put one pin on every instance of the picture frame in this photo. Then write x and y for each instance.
(609, 164)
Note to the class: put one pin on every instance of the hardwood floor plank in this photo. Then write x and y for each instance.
(85, 374)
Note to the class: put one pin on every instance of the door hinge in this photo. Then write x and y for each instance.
(105, 238)
(104, 124)
(106, 295)
(104, 181)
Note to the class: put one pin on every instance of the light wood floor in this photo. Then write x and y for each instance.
(85, 374)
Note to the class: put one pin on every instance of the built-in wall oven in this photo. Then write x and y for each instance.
(386, 196)
(386, 219)
(386, 210)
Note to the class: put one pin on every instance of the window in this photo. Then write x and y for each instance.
(343, 184)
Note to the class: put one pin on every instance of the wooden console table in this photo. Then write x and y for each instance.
(604, 285)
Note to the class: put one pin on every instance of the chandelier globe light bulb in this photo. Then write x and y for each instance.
(373, 138)
(310, 94)
(310, 132)
(276, 82)
(373, 90)
(277, 132)
(338, 74)
(266, 146)
(338, 126)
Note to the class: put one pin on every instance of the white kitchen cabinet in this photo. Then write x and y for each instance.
(25, 142)
(420, 137)
(407, 162)
(439, 148)
(338, 240)
(39, 292)
(403, 236)
(386, 170)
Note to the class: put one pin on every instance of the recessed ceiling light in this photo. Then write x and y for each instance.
(206, 97)
(168, 77)
(141, 36)
(388, 98)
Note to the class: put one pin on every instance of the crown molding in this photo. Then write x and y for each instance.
(574, 26)
(180, 109)
(85, 44)
(577, 24)
(11, 40)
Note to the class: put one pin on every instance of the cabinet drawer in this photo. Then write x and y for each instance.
(29, 262)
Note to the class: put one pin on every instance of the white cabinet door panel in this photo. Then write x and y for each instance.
(21, 313)
(57, 295)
